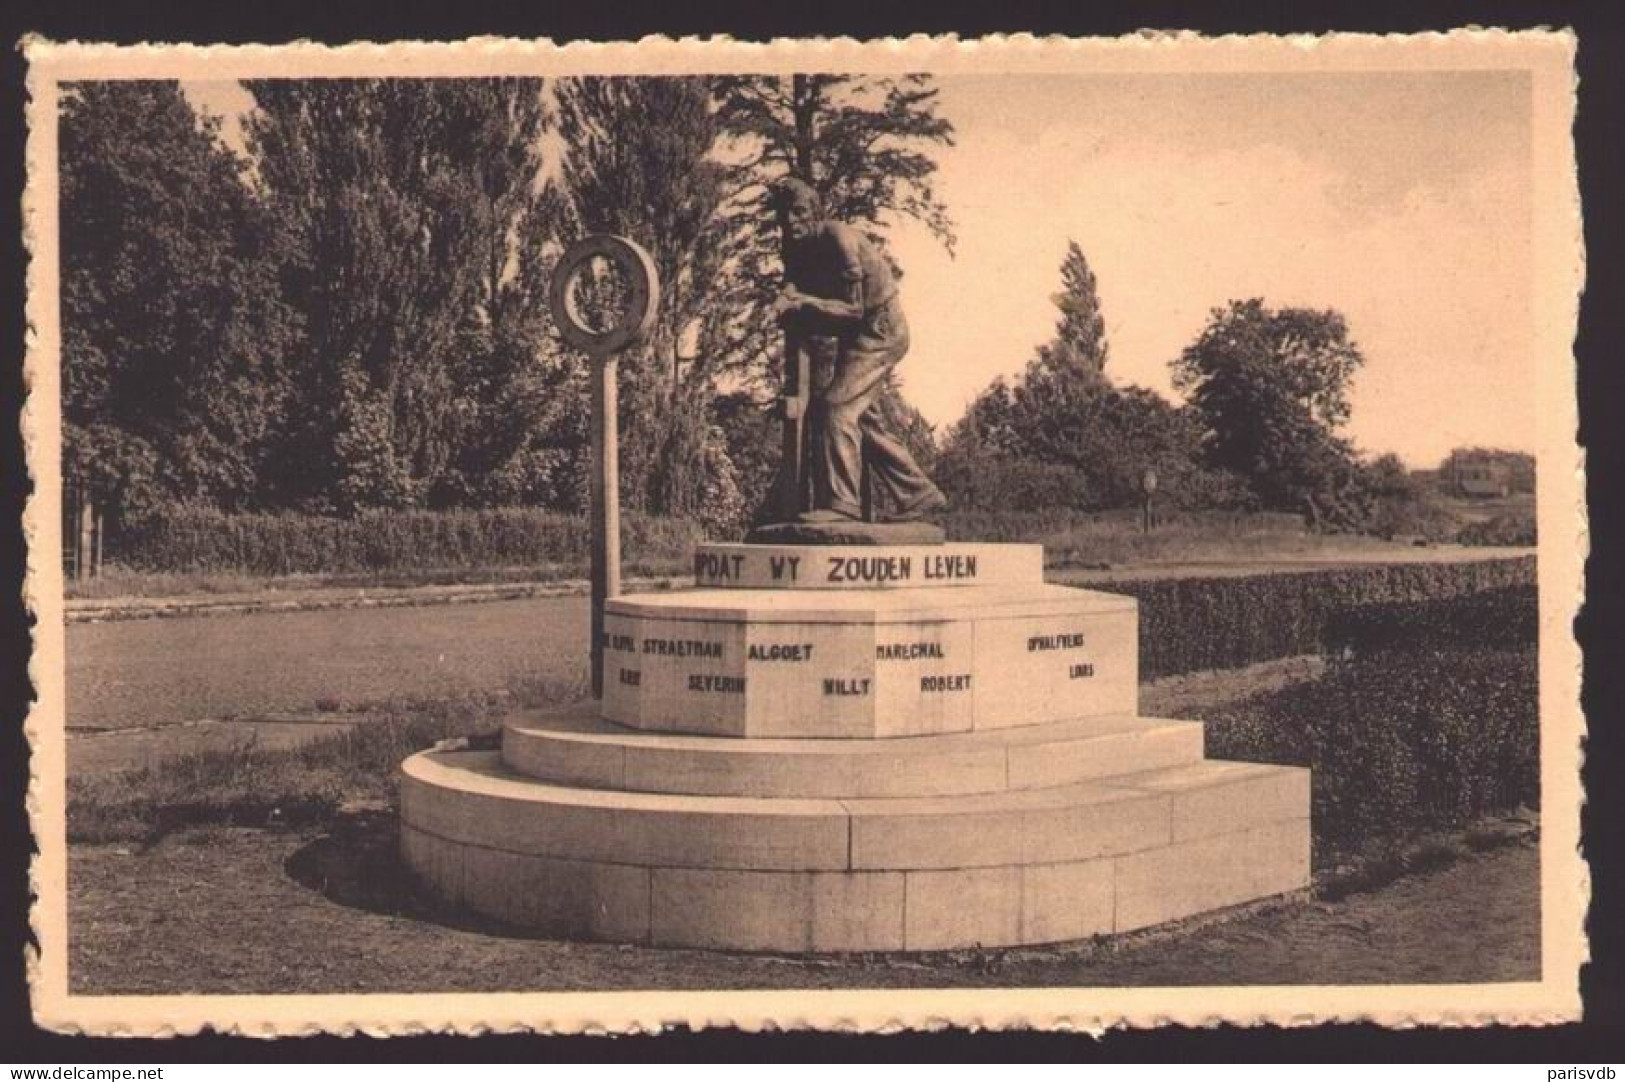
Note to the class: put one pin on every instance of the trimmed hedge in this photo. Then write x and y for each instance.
(1428, 718)
(1401, 743)
(1193, 625)
(1040, 525)
(1503, 619)
(201, 540)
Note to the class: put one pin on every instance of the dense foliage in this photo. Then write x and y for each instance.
(1395, 748)
(177, 379)
(1193, 625)
(189, 539)
(1062, 435)
(412, 218)
(1270, 389)
(345, 310)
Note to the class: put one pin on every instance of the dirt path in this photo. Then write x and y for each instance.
(245, 911)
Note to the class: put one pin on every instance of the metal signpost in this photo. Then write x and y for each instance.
(625, 328)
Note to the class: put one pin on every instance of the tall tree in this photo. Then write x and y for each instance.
(640, 162)
(1078, 351)
(410, 202)
(173, 331)
(865, 143)
(1271, 389)
(1060, 434)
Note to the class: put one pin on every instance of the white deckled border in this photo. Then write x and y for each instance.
(1549, 58)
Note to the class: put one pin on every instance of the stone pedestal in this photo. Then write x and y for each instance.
(843, 748)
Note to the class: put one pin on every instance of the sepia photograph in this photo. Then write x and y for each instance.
(1011, 532)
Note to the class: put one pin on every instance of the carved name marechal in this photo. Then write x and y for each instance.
(907, 651)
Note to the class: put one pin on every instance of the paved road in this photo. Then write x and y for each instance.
(154, 672)
(144, 673)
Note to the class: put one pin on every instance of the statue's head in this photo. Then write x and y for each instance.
(798, 207)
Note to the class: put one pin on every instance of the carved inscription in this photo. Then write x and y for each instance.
(950, 567)
(718, 566)
(780, 651)
(682, 648)
(846, 687)
(899, 568)
(720, 685)
(955, 682)
(1072, 641)
(632, 677)
(908, 651)
(624, 643)
(1080, 671)
(870, 568)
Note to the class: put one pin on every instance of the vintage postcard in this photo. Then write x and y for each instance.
(866, 535)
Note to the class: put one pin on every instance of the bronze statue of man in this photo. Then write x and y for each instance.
(839, 287)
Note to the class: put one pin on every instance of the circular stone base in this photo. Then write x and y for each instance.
(847, 533)
(996, 869)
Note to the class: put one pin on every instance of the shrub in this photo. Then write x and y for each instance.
(1402, 742)
(1432, 722)
(1516, 528)
(1190, 625)
(189, 539)
(997, 485)
(1061, 524)
(1501, 619)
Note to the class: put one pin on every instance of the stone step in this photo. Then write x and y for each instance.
(574, 747)
(473, 799)
(998, 869)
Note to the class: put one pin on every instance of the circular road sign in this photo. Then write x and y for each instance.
(637, 315)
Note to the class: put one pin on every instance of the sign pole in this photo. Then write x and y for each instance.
(627, 327)
(606, 508)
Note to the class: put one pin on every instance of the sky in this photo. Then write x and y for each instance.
(1402, 199)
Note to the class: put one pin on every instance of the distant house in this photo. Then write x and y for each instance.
(1470, 475)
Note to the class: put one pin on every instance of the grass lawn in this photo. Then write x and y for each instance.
(326, 909)
(277, 871)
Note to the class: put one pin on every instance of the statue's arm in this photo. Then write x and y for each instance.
(832, 315)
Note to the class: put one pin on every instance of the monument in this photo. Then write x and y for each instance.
(851, 735)
(840, 304)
